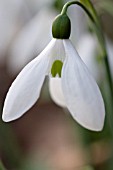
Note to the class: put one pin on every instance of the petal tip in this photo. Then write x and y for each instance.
(5, 118)
(95, 126)
(90, 123)
(8, 117)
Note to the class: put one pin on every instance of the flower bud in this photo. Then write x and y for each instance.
(61, 27)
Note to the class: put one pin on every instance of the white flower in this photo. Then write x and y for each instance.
(86, 48)
(81, 93)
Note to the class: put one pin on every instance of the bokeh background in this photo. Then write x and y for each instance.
(46, 137)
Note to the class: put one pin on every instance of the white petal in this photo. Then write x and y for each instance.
(56, 91)
(58, 52)
(25, 90)
(81, 92)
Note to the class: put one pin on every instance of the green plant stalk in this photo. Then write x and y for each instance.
(65, 7)
(109, 74)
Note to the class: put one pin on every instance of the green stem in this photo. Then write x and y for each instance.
(65, 7)
(96, 25)
(109, 75)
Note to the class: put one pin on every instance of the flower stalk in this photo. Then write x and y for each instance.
(65, 7)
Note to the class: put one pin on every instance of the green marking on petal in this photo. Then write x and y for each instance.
(56, 68)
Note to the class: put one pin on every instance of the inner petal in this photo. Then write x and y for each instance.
(56, 68)
(57, 59)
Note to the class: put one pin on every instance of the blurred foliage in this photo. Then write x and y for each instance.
(9, 146)
(1, 166)
(58, 4)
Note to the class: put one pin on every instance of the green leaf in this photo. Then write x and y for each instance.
(1, 166)
(56, 68)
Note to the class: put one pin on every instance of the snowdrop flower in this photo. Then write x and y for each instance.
(59, 59)
(86, 48)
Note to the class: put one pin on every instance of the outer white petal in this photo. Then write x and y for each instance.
(25, 90)
(81, 92)
(56, 92)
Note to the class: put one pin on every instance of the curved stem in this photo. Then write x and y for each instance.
(93, 18)
(65, 7)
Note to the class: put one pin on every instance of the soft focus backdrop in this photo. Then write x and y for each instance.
(46, 137)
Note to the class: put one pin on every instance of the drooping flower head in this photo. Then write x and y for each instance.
(60, 61)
